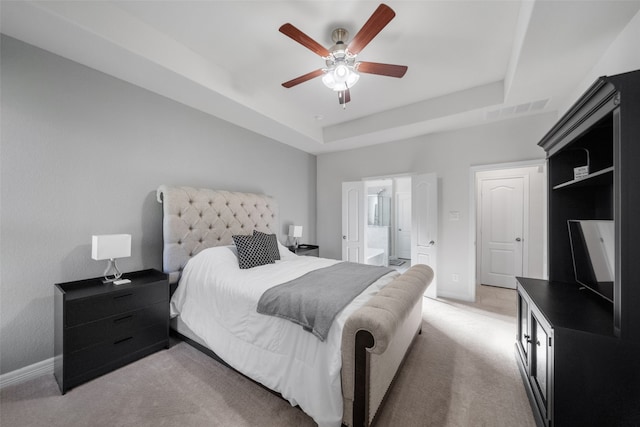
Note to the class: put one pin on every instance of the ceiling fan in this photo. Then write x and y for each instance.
(342, 69)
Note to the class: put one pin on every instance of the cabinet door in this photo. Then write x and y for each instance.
(524, 335)
(541, 367)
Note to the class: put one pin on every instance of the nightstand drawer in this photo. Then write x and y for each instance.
(88, 334)
(81, 362)
(114, 303)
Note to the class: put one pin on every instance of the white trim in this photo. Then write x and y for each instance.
(397, 175)
(459, 296)
(44, 367)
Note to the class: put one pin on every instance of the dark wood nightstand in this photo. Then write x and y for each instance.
(307, 250)
(100, 327)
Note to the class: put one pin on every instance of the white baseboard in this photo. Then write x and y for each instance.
(27, 373)
(455, 295)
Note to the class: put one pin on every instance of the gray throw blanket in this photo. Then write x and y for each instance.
(314, 299)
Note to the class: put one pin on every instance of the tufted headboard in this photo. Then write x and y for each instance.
(196, 219)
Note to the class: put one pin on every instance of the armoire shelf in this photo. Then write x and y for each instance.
(596, 178)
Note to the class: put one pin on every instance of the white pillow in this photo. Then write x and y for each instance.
(285, 253)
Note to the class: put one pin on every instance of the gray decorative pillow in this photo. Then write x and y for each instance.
(272, 243)
(252, 251)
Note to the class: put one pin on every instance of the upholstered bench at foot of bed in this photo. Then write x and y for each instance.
(375, 340)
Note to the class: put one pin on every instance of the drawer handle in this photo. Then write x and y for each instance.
(122, 296)
(123, 319)
(123, 340)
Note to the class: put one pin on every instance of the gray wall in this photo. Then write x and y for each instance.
(450, 155)
(82, 153)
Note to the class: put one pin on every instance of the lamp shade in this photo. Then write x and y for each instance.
(295, 231)
(110, 246)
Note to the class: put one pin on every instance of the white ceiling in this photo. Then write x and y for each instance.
(469, 61)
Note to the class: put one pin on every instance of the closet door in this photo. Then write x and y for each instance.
(503, 203)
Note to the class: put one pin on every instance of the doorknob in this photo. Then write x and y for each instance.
(518, 239)
(431, 243)
(344, 237)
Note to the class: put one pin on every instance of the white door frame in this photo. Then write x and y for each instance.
(473, 170)
(396, 227)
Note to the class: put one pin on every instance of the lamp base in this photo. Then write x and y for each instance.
(112, 274)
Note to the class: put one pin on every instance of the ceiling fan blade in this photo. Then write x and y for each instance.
(303, 78)
(389, 70)
(306, 41)
(380, 18)
(344, 96)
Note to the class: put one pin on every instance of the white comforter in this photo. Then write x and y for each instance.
(217, 300)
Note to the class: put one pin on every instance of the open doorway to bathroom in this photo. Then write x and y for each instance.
(382, 216)
(388, 230)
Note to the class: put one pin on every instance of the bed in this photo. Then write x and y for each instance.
(339, 380)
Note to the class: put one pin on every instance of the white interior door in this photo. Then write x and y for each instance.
(353, 220)
(502, 225)
(424, 224)
(403, 232)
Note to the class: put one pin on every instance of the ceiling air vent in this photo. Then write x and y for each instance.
(512, 110)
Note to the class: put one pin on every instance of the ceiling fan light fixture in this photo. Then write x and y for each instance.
(353, 78)
(341, 72)
(340, 77)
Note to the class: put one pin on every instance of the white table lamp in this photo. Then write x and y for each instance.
(295, 231)
(111, 246)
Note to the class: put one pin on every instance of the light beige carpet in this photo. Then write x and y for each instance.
(460, 372)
